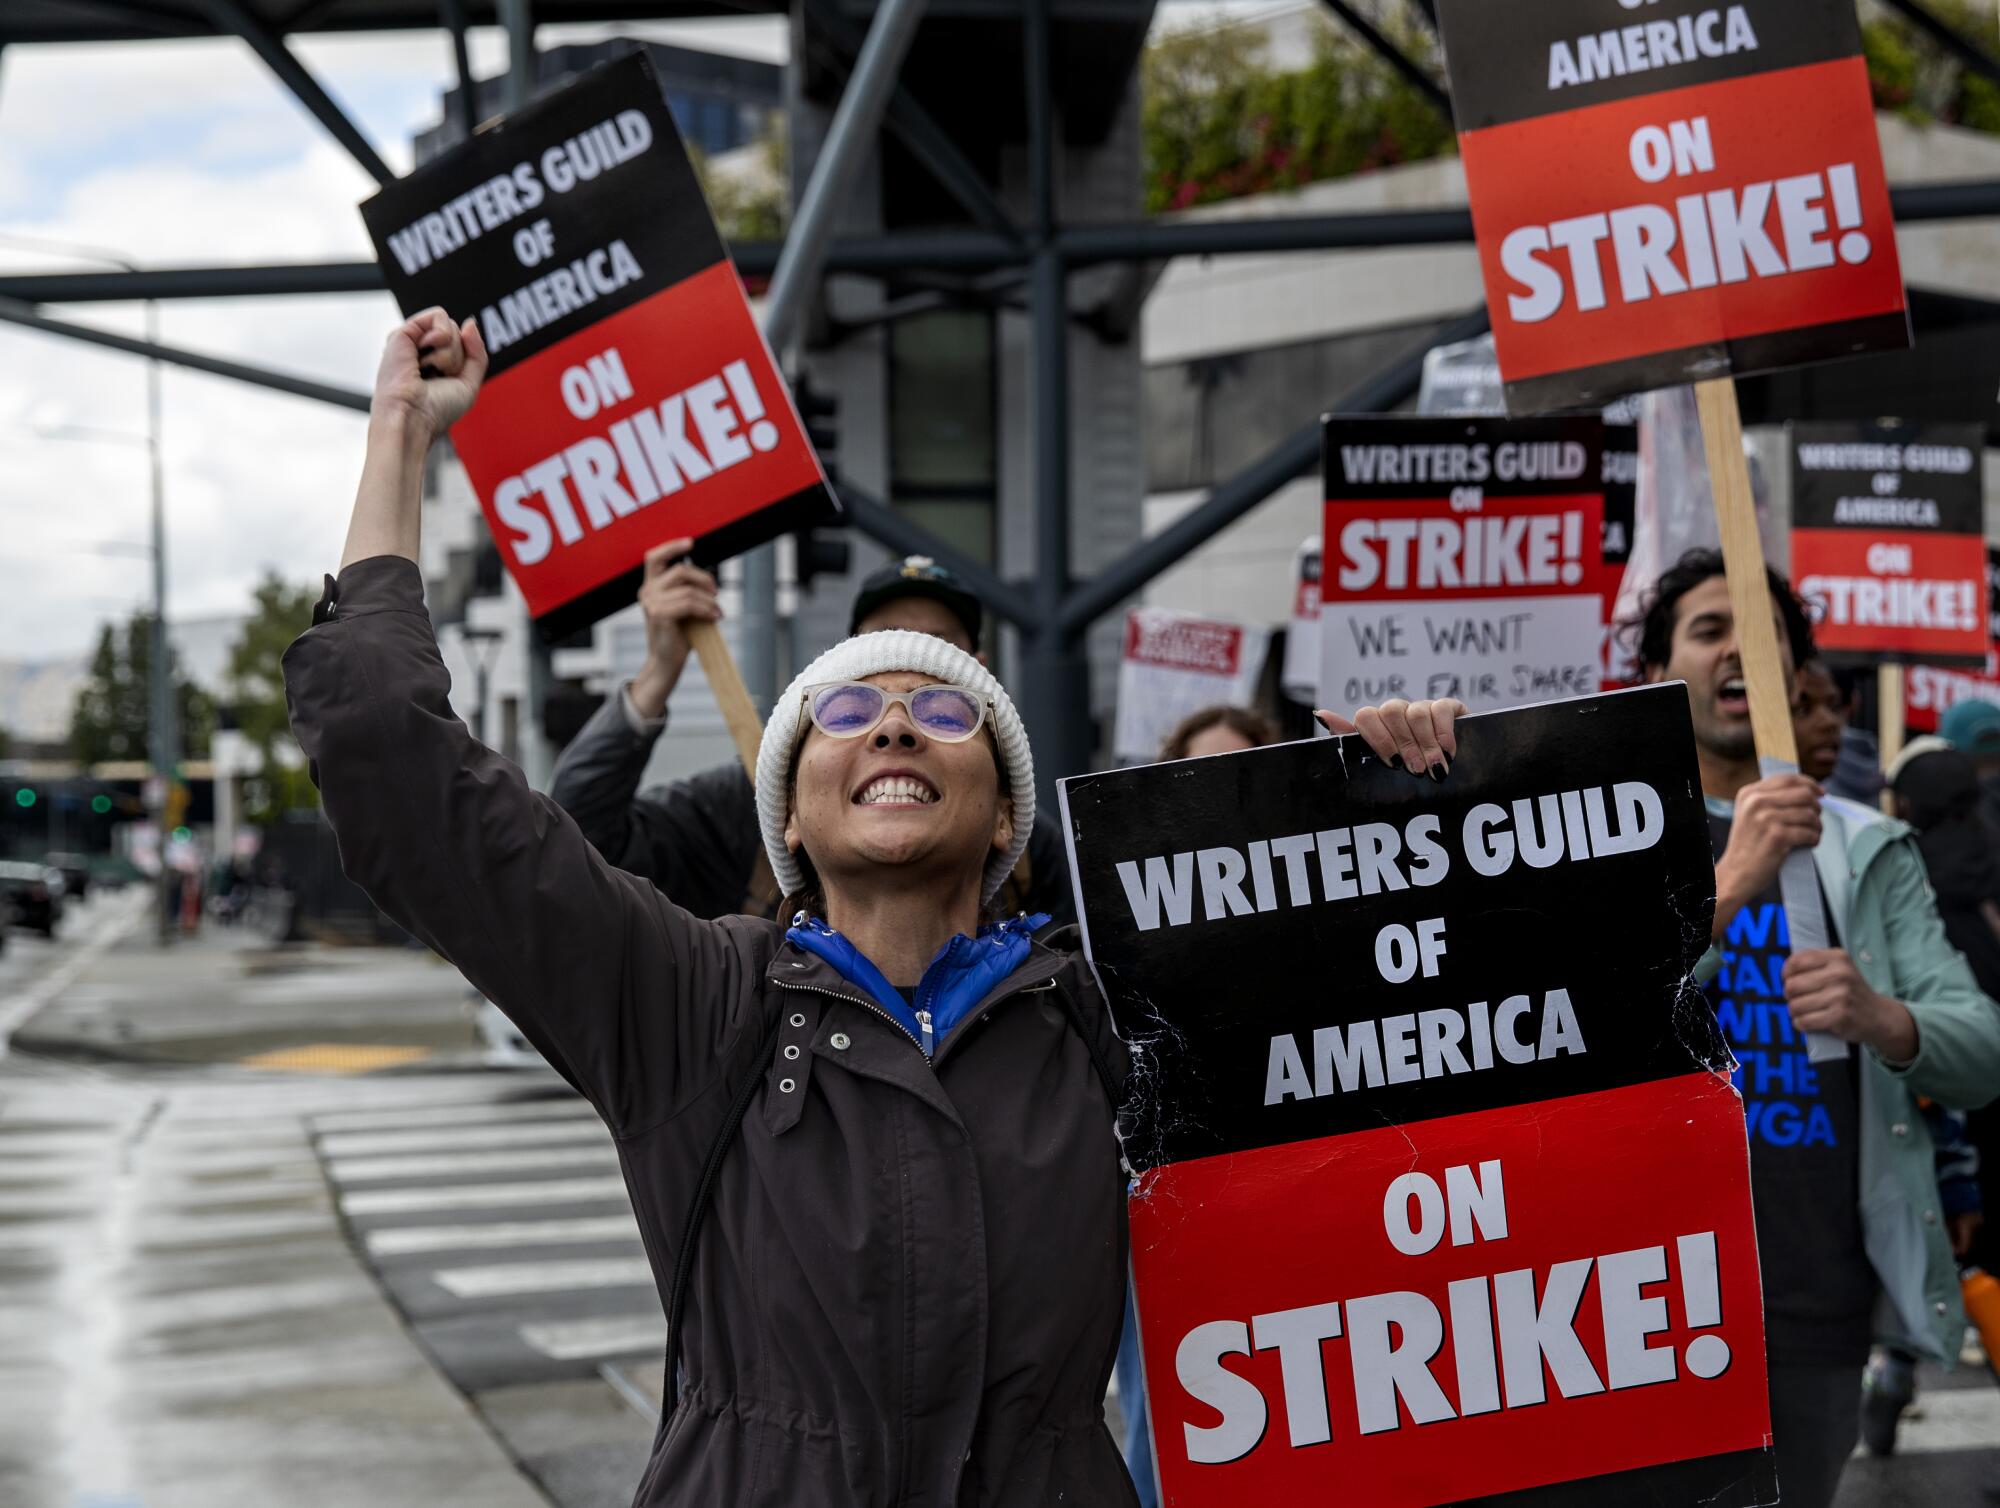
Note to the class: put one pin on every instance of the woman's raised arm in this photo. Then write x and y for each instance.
(637, 1003)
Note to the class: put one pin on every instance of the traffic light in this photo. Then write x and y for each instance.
(101, 805)
(25, 797)
(820, 413)
(819, 552)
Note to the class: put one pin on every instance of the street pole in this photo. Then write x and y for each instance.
(161, 733)
(164, 732)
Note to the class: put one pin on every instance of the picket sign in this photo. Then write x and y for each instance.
(746, 728)
(1757, 644)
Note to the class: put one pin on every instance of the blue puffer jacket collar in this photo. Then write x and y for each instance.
(964, 972)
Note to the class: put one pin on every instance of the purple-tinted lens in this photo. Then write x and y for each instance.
(847, 710)
(945, 712)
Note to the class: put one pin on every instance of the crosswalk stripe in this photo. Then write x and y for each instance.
(615, 1335)
(467, 1138)
(461, 1164)
(471, 1113)
(502, 1279)
(410, 1240)
(475, 1196)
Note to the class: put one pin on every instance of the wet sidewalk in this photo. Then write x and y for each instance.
(227, 996)
(183, 1325)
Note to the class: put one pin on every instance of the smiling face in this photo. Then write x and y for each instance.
(896, 801)
(1704, 653)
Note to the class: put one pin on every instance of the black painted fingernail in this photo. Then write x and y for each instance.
(1436, 772)
(1394, 761)
(1444, 767)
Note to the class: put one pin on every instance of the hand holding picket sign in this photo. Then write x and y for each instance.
(674, 593)
(1418, 735)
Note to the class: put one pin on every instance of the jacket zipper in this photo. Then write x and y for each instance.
(867, 1005)
(923, 1044)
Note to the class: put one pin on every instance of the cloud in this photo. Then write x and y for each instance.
(191, 152)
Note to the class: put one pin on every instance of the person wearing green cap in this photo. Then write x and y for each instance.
(1973, 728)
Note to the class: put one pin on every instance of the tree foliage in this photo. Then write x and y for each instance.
(1219, 123)
(1917, 79)
(257, 689)
(113, 714)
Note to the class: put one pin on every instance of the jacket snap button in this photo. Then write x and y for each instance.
(1930, 1217)
(792, 1050)
(1940, 1307)
(786, 1086)
(797, 1019)
(1866, 956)
(1899, 1129)
(840, 1041)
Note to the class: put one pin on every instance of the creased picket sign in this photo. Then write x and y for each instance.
(1442, 1185)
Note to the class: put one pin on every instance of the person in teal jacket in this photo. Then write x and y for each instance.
(1851, 1240)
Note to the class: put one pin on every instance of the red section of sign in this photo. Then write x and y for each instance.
(577, 501)
(1896, 593)
(1396, 550)
(1930, 691)
(1183, 643)
(1678, 271)
(1252, 1239)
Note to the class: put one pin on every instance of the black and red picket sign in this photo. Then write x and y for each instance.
(1443, 1189)
(632, 398)
(1671, 192)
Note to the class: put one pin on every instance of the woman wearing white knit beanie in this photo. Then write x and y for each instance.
(871, 1152)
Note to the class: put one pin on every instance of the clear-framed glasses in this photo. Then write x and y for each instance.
(848, 709)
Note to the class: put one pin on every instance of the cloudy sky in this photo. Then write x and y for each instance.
(190, 153)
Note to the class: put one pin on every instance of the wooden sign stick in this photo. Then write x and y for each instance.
(746, 728)
(1889, 723)
(1757, 644)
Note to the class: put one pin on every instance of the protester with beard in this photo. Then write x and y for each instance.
(696, 838)
(896, 1120)
(1841, 1164)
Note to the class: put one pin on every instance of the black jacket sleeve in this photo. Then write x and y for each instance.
(637, 1003)
(696, 839)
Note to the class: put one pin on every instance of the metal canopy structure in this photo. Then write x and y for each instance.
(1006, 257)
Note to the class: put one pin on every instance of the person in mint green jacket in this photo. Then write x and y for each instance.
(1850, 1236)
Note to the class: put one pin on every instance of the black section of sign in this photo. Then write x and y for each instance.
(1621, 491)
(1205, 1000)
(1517, 59)
(1438, 454)
(1593, 387)
(1737, 1479)
(1839, 491)
(802, 510)
(651, 202)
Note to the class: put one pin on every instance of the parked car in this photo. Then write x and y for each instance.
(76, 870)
(36, 892)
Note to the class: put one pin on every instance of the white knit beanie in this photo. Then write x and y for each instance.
(856, 659)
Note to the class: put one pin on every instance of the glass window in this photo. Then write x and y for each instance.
(942, 469)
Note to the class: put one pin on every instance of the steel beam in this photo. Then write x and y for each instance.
(452, 14)
(897, 532)
(518, 18)
(190, 282)
(919, 131)
(1959, 46)
(14, 312)
(1394, 56)
(1294, 456)
(232, 16)
(1915, 204)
